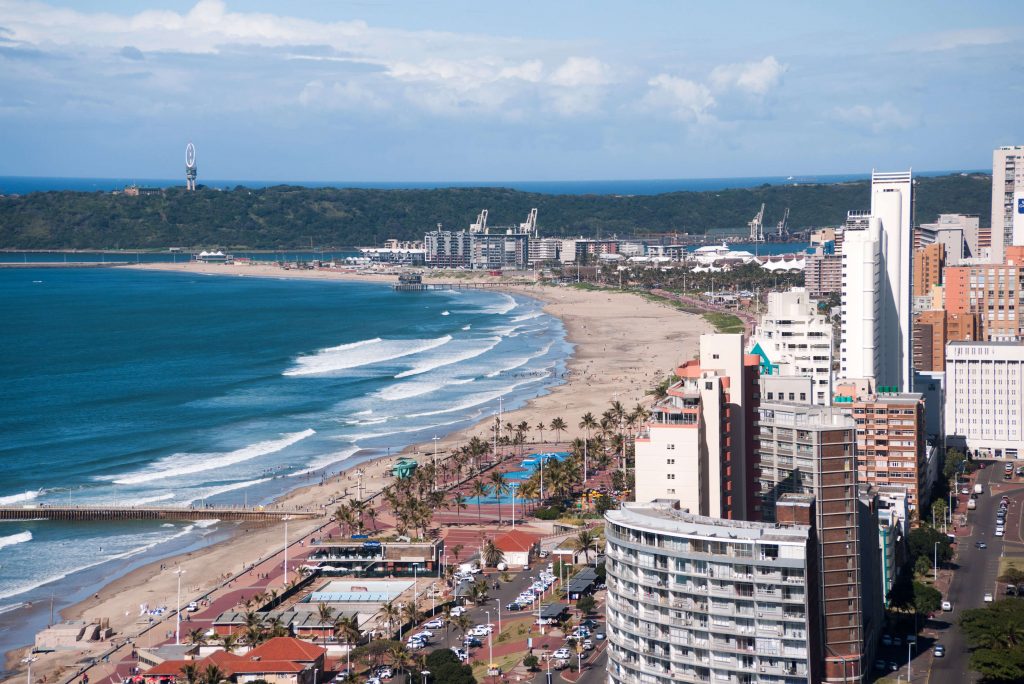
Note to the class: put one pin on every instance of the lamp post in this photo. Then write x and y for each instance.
(435, 462)
(284, 580)
(415, 586)
(908, 661)
(935, 561)
(314, 675)
(512, 487)
(177, 615)
(29, 662)
(490, 643)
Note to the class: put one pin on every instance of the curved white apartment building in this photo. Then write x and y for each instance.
(699, 599)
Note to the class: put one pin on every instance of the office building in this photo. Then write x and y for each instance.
(876, 336)
(958, 233)
(496, 251)
(928, 264)
(992, 292)
(985, 398)
(699, 599)
(699, 445)
(1007, 199)
(793, 339)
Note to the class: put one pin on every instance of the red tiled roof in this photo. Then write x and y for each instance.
(286, 648)
(169, 668)
(269, 666)
(516, 541)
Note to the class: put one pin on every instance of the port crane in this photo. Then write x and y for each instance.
(481, 223)
(530, 227)
(757, 226)
(783, 229)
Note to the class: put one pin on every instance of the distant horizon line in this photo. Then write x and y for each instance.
(864, 174)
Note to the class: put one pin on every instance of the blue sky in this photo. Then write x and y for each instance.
(462, 91)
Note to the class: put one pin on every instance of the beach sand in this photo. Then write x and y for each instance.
(624, 345)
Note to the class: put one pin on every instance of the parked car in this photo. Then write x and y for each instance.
(981, 545)
(588, 645)
(965, 491)
(947, 606)
(561, 654)
(988, 597)
(512, 607)
(472, 642)
(193, 606)
(342, 676)
(599, 636)
(385, 672)
(939, 651)
(457, 611)
(436, 623)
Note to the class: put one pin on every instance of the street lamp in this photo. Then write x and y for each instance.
(490, 643)
(908, 661)
(29, 662)
(177, 615)
(512, 487)
(285, 579)
(415, 586)
(435, 462)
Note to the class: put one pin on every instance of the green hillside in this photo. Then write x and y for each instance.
(286, 216)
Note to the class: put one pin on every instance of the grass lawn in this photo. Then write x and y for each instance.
(723, 322)
(1006, 561)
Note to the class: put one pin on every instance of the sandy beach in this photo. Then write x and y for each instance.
(624, 344)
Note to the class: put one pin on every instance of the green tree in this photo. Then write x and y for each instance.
(927, 599)
(445, 668)
(995, 635)
(558, 425)
(921, 542)
(923, 566)
(492, 555)
(585, 542)
(191, 673)
(586, 604)
(531, 661)
(1012, 575)
(954, 460)
(479, 491)
(604, 504)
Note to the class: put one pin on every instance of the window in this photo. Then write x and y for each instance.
(670, 461)
(670, 447)
(670, 476)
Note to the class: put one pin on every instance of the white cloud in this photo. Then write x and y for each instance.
(346, 95)
(755, 78)
(951, 40)
(877, 119)
(581, 71)
(680, 98)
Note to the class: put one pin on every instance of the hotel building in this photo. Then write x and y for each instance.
(985, 397)
(447, 248)
(1007, 199)
(793, 339)
(699, 445)
(876, 330)
(699, 599)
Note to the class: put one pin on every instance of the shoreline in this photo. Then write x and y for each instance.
(623, 345)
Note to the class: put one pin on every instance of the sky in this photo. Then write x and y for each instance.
(460, 90)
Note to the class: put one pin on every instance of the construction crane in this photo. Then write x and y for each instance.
(783, 230)
(530, 227)
(481, 223)
(757, 226)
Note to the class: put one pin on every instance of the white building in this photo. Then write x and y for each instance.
(698, 599)
(697, 447)
(985, 397)
(883, 321)
(958, 233)
(1007, 199)
(544, 250)
(793, 339)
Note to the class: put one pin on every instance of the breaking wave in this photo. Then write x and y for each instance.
(365, 353)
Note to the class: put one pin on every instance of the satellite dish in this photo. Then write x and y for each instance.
(190, 155)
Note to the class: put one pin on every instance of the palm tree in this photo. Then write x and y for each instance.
(191, 672)
(401, 659)
(390, 615)
(197, 637)
(462, 623)
(346, 630)
(584, 542)
(254, 635)
(492, 555)
(540, 429)
(558, 425)
(276, 628)
(529, 491)
(459, 504)
(409, 613)
(326, 615)
(371, 513)
(499, 487)
(213, 675)
(229, 642)
(479, 490)
(521, 431)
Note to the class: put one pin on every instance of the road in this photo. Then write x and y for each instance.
(977, 570)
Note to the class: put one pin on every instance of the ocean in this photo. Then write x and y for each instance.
(134, 387)
(656, 186)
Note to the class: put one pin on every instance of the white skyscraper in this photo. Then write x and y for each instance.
(876, 335)
(1007, 199)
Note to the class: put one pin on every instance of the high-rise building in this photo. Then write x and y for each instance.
(992, 292)
(985, 398)
(823, 263)
(958, 233)
(928, 264)
(1007, 199)
(876, 338)
(447, 248)
(793, 339)
(811, 450)
(699, 445)
(699, 599)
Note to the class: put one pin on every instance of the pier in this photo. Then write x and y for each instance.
(76, 513)
(419, 287)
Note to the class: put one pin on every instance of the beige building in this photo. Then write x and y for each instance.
(1007, 199)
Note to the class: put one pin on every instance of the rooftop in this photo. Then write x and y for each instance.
(661, 517)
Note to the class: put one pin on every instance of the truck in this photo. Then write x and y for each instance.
(978, 489)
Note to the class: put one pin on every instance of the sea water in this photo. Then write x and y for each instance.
(150, 388)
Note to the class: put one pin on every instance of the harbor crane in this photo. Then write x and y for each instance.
(481, 223)
(757, 226)
(530, 227)
(783, 229)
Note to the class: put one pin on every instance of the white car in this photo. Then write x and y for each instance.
(561, 654)
(436, 623)
(424, 633)
(481, 630)
(988, 597)
(457, 611)
(193, 607)
(999, 531)
(947, 606)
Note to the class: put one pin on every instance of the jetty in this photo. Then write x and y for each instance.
(414, 283)
(76, 513)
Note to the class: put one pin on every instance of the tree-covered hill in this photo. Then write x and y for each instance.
(287, 216)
